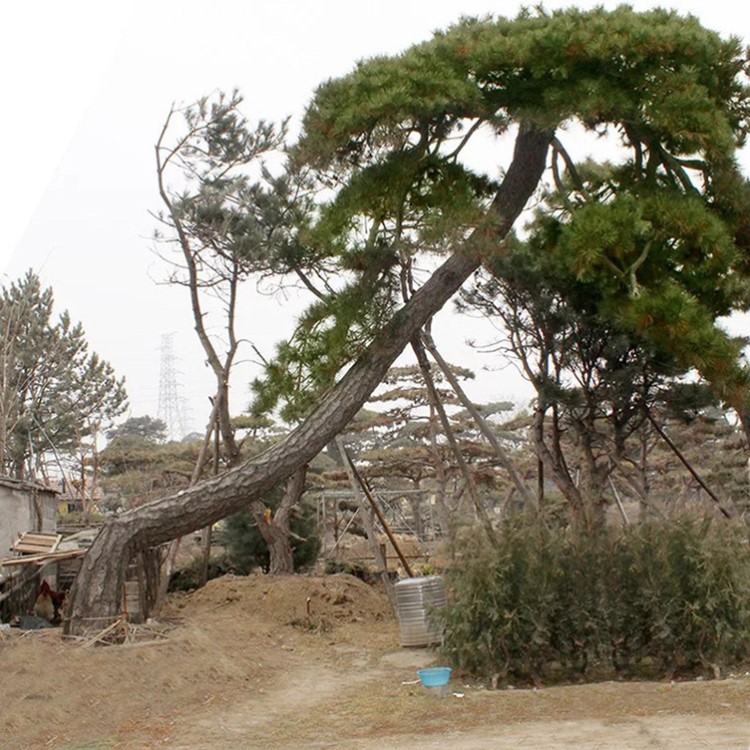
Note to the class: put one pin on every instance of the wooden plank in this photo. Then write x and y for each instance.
(42, 537)
(36, 542)
(34, 552)
(30, 559)
(34, 546)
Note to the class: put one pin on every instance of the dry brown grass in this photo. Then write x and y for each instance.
(236, 674)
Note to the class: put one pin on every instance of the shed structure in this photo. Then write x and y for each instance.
(24, 506)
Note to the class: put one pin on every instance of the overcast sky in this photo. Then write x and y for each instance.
(87, 86)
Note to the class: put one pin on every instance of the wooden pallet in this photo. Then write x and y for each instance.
(36, 543)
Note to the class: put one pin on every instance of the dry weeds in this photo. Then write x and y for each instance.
(247, 667)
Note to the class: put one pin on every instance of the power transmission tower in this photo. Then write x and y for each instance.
(171, 405)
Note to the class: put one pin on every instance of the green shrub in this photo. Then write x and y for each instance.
(247, 549)
(189, 577)
(657, 597)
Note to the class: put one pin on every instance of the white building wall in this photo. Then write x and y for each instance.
(24, 507)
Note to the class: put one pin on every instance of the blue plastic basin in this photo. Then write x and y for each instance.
(434, 676)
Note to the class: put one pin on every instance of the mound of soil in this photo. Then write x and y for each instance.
(288, 600)
(236, 636)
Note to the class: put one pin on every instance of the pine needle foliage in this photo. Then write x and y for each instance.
(658, 70)
(666, 266)
(664, 234)
(54, 392)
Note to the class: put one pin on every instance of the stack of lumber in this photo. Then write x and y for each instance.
(36, 543)
(39, 547)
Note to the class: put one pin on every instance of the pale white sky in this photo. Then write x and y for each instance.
(87, 86)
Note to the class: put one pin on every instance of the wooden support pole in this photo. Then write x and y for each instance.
(379, 513)
(368, 526)
(43, 558)
(663, 435)
(624, 515)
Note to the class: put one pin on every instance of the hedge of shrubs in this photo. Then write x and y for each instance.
(656, 599)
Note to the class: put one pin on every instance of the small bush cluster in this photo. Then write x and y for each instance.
(247, 550)
(654, 599)
(190, 576)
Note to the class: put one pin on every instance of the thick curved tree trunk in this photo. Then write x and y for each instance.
(744, 414)
(96, 596)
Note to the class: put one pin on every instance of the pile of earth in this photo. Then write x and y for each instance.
(287, 600)
(239, 635)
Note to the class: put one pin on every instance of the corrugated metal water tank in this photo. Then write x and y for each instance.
(416, 598)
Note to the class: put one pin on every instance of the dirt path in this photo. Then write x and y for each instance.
(360, 698)
(245, 670)
(319, 708)
(682, 734)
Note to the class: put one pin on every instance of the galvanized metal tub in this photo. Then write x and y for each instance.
(416, 599)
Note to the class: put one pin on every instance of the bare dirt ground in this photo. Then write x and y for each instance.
(244, 667)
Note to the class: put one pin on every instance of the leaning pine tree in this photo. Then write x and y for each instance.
(397, 128)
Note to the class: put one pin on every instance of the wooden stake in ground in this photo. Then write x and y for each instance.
(380, 560)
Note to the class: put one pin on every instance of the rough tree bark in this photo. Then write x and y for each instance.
(275, 529)
(554, 462)
(96, 595)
